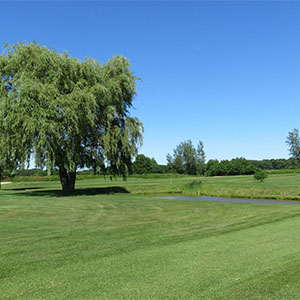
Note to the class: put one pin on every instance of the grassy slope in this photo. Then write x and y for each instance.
(130, 246)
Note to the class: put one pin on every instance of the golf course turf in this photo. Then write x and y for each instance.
(114, 240)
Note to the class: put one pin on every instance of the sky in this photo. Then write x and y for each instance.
(224, 72)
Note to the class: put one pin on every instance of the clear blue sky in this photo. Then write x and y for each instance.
(227, 73)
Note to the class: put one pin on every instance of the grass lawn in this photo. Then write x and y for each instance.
(96, 245)
(277, 186)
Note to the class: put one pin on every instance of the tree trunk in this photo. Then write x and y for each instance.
(67, 180)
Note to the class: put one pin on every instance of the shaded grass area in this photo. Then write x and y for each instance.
(31, 192)
(98, 245)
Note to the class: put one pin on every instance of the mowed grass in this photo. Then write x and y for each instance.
(276, 186)
(129, 245)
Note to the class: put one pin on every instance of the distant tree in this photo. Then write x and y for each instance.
(68, 113)
(292, 163)
(184, 159)
(200, 158)
(142, 165)
(279, 163)
(264, 164)
(212, 167)
(155, 168)
(189, 157)
(170, 163)
(161, 169)
(293, 141)
(178, 160)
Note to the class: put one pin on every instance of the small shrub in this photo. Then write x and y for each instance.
(260, 175)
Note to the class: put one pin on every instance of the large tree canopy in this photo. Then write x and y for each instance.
(68, 113)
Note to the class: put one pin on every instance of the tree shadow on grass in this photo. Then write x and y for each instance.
(23, 189)
(77, 192)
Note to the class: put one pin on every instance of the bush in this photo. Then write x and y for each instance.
(260, 175)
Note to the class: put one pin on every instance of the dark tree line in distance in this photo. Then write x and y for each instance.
(147, 165)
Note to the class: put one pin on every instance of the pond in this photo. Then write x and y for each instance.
(220, 199)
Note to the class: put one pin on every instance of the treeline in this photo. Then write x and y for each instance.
(236, 166)
(242, 166)
(146, 165)
(277, 164)
(188, 159)
(185, 159)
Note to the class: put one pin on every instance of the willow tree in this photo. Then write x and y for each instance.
(67, 113)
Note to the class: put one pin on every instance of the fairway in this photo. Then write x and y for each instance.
(150, 150)
(97, 245)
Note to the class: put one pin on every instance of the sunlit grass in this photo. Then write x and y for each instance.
(276, 186)
(93, 245)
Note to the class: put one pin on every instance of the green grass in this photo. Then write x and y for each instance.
(276, 186)
(193, 188)
(97, 245)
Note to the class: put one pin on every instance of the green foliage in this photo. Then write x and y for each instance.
(242, 166)
(186, 159)
(147, 165)
(68, 113)
(236, 166)
(170, 163)
(260, 175)
(293, 141)
(156, 168)
(200, 159)
(142, 165)
(276, 164)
